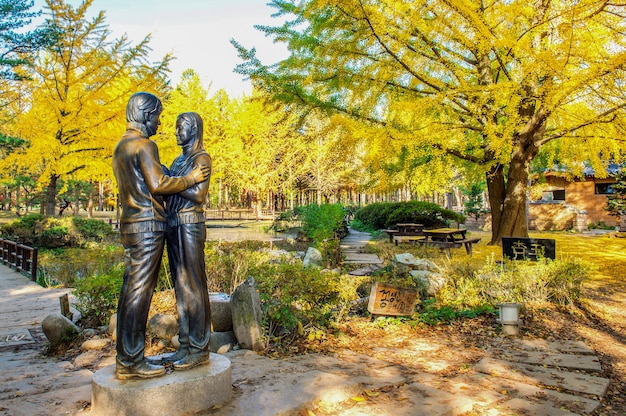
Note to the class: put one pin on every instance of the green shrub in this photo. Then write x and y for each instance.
(323, 222)
(325, 225)
(285, 220)
(64, 266)
(374, 215)
(388, 214)
(93, 230)
(97, 295)
(433, 315)
(51, 232)
(295, 298)
(228, 264)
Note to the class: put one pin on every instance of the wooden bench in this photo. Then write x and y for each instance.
(468, 242)
(407, 238)
(391, 234)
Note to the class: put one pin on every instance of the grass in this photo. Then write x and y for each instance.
(605, 251)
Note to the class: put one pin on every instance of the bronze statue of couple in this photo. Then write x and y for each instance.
(161, 205)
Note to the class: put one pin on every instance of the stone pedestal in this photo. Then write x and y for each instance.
(179, 393)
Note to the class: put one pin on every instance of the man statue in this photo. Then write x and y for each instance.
(186, 234)
(142, 185)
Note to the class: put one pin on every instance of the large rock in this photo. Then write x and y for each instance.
(313, 258)
(95, 344)
(163, 325)
(112, 327)
(431, 282)
(222, 342)
(245, 304)
(409, 262)
(59, 329)
(221, 314)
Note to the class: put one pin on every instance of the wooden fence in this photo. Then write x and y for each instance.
(20, 257)
(238, 214)
(223, 215)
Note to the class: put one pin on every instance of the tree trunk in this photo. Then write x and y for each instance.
(51, 196)
(76, 200)
(100, 196)
(90, 204)
(507, 196)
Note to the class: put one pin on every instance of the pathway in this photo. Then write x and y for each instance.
(32, 384)
(354, 249)
(519, 377)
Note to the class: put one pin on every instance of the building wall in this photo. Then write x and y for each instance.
(581, 196)
(553, 215)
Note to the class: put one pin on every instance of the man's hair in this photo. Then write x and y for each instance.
(140, 105)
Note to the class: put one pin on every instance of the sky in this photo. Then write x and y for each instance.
(196, 32)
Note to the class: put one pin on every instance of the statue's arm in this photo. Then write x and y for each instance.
(199, 191)
(157, 181)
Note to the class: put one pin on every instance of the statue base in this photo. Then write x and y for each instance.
(179, 393)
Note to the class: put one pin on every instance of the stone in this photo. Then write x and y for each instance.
(89, 332)
(313, 258)
(112, 328)
(408, 261)
(163, 325)
(430, 281)
(95, 344)
(188, 392)
(221, 314)
(59, 329)
(552, 377)
(175, 342)
(87, 359)
(246, 308)
(222, 342)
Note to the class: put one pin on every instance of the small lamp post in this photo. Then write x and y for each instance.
(509, 318)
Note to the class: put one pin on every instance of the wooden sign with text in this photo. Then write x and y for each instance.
(391, 300)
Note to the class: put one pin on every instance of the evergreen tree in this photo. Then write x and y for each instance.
(616, 203)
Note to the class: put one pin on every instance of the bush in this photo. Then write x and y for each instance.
(325, 225)
(323, 222)
(64, 266)
(97, 296)
(50, 232)
(388, 214)
(527, 282)
(296, 299)
(228, 264)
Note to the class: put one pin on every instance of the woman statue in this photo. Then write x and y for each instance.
(186, 234)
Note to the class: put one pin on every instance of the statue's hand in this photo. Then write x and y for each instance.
(200, 174)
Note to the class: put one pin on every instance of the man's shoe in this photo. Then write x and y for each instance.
(168, 358)
(192, 360)
(178, 355)
(141, 370)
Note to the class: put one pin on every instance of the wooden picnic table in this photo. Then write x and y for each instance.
(446, 234)
(410, 227)
(405, 229)
(444, 238)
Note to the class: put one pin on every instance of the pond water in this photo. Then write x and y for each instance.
(244, 230)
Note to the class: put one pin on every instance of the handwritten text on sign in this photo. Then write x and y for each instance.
(391, 300)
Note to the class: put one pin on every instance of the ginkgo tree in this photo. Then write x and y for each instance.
(488, 83)
(76, 102)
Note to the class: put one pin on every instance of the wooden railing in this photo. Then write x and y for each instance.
(238, 214)
(20, 257)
